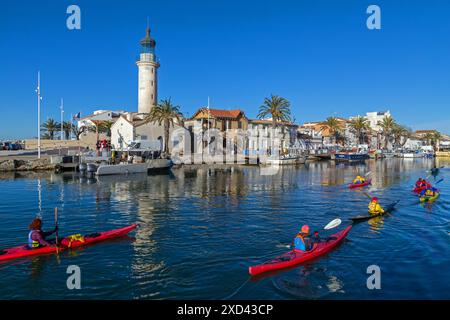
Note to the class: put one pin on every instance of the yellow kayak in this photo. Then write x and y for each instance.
(429, 199)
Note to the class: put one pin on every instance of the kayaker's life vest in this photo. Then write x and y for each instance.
(375, 208)
(429, 193)
(32, 244)
(302, 243)
(359, 181)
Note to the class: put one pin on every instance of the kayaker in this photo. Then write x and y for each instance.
(422, 183)
(36, 237)
(303, 241)
(375, 208)
(419, 183)
(359, 180)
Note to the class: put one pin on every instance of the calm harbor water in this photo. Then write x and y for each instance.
(200, 229)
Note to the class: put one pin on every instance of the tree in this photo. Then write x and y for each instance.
(333, 126)
(166, 113)
(400, 132)
(67, 127)
(77, 132)
(278, 108)
(437, 137)
(50, 127)
(359, 126)
(105, 127)
(433, 139)
(387, 125)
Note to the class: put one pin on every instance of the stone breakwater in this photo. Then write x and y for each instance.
(26, 165)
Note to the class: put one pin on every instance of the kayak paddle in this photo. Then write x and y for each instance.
(330, 225)
(440, 181)
(367, 173)
(367, 195)
(333, 224)
(56, 225)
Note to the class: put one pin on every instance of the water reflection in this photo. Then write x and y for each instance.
(202, 226)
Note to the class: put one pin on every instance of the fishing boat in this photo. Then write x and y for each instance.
(149, 165)
(286, 160)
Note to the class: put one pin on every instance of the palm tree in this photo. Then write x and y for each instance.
(437, 138)
(105, 127)
(278, 108)
(400, 132)
(67, 127)
(51, 127)
(359, 125)
(165, 113)
(433, 139)
(387, 125)
(333, 126)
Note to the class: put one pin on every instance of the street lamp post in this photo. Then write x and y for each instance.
(62, 119)
(39, 98)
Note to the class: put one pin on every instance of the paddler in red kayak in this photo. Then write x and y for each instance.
(375, 208)
(422, 183)
(36, 237)
(303, 241)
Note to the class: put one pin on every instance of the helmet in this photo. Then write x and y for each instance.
(305, 229)
(375, 199)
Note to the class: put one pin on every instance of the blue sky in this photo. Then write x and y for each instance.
(318, 54)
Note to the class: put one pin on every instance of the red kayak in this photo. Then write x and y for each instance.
(295, 257)
(360, 185)
(419, 189)
(65, 243)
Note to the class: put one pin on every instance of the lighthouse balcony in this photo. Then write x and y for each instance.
(146, 57)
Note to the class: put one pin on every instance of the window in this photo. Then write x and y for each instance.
(239, 125)
(152, 83)
(144, 138)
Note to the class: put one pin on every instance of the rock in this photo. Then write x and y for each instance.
(7, 165)
(26, 165)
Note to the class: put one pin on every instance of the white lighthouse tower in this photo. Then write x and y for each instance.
(148, 75)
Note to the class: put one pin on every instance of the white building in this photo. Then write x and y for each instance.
(375, 117)
(133, 126)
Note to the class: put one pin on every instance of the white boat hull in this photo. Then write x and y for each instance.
(286, 161)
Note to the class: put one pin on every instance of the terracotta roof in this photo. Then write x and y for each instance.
(219, 113)
(425, 131)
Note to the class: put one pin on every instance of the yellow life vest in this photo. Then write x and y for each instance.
(375, 208)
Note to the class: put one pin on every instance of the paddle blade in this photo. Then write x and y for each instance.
(440, 181)
(368, 173)
(333, 224)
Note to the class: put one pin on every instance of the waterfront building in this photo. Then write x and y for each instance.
(217, 133)
(90, 123)
(375, 117)
(133, 126)
(261, 134)
(327, 138)
(313, 139)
